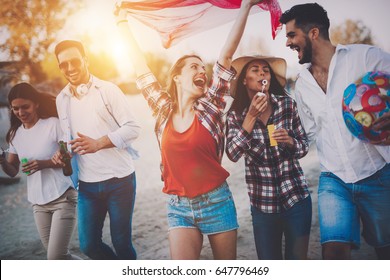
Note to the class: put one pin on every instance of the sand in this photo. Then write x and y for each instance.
(19, 238)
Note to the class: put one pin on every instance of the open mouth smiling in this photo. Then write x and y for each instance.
(295, 48)
(200, 83)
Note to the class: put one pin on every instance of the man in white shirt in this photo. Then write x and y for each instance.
(99, 126)
(355, 175)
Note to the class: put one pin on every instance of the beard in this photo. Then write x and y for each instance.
(82, 78)
(307, 52)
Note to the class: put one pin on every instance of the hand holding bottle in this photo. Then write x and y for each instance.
(65, 158)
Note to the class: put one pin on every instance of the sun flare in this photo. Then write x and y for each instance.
(119, 53)
(95, 26)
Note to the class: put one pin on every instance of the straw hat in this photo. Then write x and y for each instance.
(277, 64)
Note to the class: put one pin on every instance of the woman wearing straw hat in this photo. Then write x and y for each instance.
(263, 126)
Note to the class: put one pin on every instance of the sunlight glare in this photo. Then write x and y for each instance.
(118, 52)
(95, 26)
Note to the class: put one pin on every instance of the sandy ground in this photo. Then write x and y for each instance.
(19, 238)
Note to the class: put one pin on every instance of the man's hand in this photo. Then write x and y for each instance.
(382, 123)
(84, 144)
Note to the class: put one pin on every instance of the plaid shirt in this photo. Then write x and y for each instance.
(209, 108)
(273, 174)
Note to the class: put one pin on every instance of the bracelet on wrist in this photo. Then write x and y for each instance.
(120, 21)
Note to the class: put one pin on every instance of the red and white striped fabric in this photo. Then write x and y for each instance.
(177, 19)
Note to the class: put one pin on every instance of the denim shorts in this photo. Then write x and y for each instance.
(211, 213)
(341, 206)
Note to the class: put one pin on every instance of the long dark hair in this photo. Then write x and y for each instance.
(176, 70)
(241, 98)
(27, 91)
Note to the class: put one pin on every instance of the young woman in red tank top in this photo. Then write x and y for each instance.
(190, 131)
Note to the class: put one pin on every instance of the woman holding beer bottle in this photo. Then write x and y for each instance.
(33, 139)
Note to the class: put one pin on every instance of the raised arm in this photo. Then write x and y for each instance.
(136, 55)
(235, 34)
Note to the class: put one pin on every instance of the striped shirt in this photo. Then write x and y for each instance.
(209, 108)
(273, 174)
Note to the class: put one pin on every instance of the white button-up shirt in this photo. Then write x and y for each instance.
(339, 151)
(91, 117)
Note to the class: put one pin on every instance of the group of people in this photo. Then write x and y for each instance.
(267, 127)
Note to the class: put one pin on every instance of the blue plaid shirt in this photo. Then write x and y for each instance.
(209, 108)
(273, 174)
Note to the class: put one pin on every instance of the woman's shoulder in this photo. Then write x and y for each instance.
(50, 122)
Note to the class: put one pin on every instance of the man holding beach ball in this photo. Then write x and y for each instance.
(350, 128)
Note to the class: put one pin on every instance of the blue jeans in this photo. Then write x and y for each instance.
(341, 207)
(115, 196)
(269, 228)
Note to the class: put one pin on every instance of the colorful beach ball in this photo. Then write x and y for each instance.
(362, 105)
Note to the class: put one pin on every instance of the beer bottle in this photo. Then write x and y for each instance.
(67, 169)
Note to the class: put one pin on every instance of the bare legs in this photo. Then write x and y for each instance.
(186, 244)
(336, 251)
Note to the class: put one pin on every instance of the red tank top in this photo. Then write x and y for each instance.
(190, 160)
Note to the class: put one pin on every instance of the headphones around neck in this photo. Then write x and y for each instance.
(82, 89)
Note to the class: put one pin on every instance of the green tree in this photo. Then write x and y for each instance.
(28, 28)
(351, 32)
